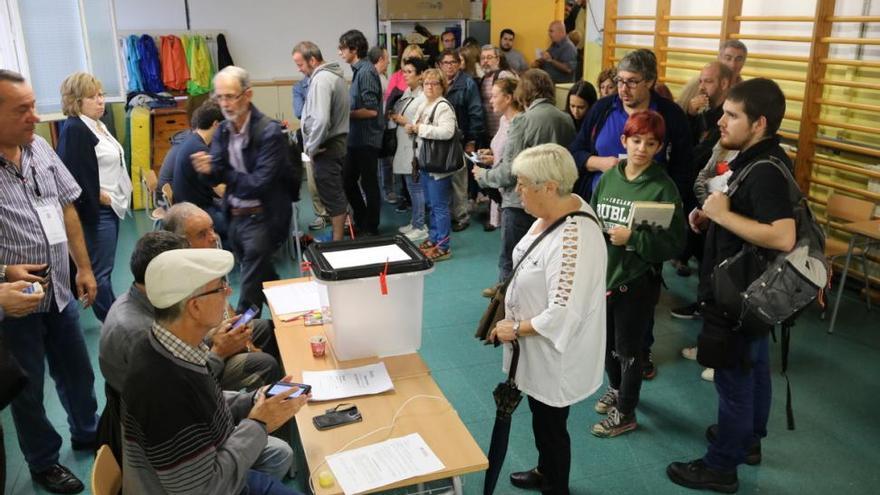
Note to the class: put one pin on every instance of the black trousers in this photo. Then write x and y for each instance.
(361, 173)
(550, 426)
(253, 245)
(630, 316)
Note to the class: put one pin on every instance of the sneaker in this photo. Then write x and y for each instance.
(689, 353)
(459, 226)
(607, 401)
(417, 235)
(689, 312)
(615, 424)
(490, 291)
(753, 453)
(649, 371)
(405, 229)
(57, 479)
(708, 374)
(696, 474)
(402, 207)
(391, 198)
(318, 223)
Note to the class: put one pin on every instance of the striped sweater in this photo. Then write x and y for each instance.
(179, 434)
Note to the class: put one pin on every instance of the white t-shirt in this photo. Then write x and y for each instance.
(560, 287)
(112, 174)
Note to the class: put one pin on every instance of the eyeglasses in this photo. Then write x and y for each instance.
(224, 287)
(449, 62)
(222, 98)
(629, 83)
(431, 83)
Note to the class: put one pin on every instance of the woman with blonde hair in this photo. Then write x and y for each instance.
(398, 80)
(96, 160)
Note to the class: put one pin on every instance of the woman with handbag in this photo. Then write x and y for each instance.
(95, 159)
(403, 113)
(554, 308)
(435, 120)
(635, 258)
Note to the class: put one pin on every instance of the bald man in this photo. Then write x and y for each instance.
(560, 59)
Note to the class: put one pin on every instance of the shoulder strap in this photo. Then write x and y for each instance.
(434, 110)
(541, 237)
(772, 160)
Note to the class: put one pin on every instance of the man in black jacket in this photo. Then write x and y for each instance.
(761, 215)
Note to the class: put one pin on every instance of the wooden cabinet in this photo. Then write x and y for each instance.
(166, 122)
(275, 99)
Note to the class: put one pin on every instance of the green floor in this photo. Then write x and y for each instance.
(835, 380)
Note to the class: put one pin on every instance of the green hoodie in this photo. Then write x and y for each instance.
(646, 249)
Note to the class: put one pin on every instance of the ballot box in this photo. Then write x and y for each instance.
(375, 290)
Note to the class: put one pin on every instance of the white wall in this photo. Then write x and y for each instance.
(259, 33)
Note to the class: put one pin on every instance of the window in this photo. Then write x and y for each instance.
(47, 40)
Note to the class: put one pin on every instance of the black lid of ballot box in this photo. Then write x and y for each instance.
(323, 270)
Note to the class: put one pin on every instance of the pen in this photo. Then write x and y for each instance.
(294, 317)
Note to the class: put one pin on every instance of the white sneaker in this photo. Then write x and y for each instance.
(405, 229)
(708, 374)
(689, 353)
(417, 235)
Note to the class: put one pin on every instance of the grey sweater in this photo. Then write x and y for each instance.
(326, 112)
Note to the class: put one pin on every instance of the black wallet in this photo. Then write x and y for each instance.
(342, 414)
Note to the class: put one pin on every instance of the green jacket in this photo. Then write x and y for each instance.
(647, 249)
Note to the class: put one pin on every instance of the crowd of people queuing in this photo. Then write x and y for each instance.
(563, 180)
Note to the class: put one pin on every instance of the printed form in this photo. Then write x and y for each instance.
(351, 382)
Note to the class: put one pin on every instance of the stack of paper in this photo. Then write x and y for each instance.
(294, 298)
(351, 382)
(383, 463)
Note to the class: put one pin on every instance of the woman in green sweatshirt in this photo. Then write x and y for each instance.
(635, 258)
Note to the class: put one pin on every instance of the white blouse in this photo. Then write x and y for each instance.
(560, 287)
(112, 174)
(407, 106)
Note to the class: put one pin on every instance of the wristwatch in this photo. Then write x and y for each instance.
(3, 273)
(516, 329)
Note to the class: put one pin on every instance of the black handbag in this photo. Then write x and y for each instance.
(441, 156)
(495, 312)
(389, 143)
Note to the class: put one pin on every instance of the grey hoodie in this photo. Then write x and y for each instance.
(325, 114)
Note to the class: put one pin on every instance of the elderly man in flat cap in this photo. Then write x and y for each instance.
(181, 435)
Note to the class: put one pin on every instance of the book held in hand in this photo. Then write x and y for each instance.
(651, 214)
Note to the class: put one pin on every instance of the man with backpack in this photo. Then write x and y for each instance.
(760, 214)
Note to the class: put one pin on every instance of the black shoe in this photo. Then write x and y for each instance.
(488, 227)
(696, 474)
(649, 371)
(91, 446)
(689, 312)
(402, 207)
(529, 480)
(58, 479)
(459, 226)
(753, 453)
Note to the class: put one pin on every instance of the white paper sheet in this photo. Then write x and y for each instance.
(383, 463)
(339, 384)
(294, 298)
(366, 256)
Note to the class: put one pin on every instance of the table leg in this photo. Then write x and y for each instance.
(457, 486)
(849, 251)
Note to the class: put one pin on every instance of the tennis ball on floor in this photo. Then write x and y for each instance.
(325, 479)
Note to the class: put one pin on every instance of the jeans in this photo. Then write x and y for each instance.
(218, 216)
(630, 314)
(417, 199)
(515, 223)
(275, 459)
(360, 174)
(253, 246)
(550, 426)
(744, 396)
(386, 176)
(101, 243)
(262, 484)
(437, 194)
(54, 337)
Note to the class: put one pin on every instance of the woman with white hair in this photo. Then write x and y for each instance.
(555, 308)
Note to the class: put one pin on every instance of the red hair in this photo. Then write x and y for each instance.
(645, 122)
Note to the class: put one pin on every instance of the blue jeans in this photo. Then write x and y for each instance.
(275, 459)
(743, 407)
(54, 337)
(417, 198)
(262, 484)
(515, 223)
(437, 194)
(219, 217)
(253, 245)
(101, 243)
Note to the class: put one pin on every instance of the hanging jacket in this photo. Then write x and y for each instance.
(175, 72)
(223, 57)
(132, 64)
(149, 64)
(201, 70)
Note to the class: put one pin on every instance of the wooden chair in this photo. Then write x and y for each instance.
(106, 475)
(168, 194)
(846, 209)
(150, 182)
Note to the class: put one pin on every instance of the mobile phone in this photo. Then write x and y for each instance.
(281, 387)
(34, 288)
(44, 273)
(334, 418)
(245, 318)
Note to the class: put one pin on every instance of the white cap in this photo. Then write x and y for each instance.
(176, 274)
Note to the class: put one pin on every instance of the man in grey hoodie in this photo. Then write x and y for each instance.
(325, 129)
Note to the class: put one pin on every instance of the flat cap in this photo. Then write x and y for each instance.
(176, 274)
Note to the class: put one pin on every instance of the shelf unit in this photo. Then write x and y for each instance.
(406, 26)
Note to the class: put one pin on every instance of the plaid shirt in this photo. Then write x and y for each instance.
(180, 349)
